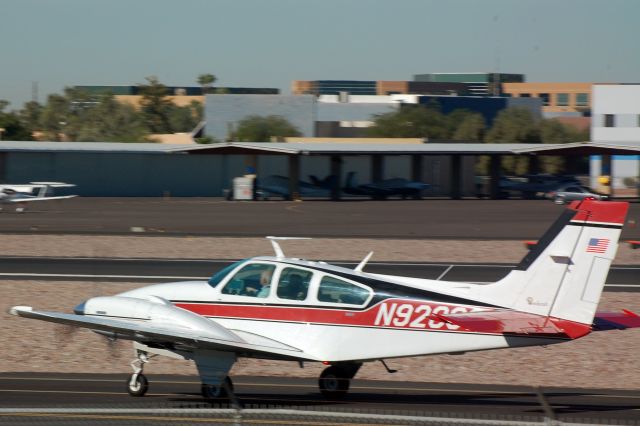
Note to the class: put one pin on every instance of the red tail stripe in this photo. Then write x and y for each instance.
(600, 211)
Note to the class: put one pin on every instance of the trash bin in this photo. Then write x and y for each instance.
(243, 188)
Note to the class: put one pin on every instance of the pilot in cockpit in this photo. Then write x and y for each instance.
(265, 283)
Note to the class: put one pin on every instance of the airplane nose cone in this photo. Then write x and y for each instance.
(79, 310)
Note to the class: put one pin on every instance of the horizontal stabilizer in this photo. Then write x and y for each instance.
(615, 320)
(513, 322)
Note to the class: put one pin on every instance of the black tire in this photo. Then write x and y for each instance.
(211, 391)
(334, 383)
(140, 387)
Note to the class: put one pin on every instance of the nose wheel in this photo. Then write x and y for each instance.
(137, 384)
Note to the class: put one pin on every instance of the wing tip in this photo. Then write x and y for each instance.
(15, 310)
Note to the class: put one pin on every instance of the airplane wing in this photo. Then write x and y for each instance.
(29, 198)
(214, 337)
(53, 184)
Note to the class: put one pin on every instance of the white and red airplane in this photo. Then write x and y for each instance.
(34, 191)
(305, 311)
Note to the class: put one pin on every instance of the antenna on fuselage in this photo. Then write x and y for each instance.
(276, 246)
(363, 262)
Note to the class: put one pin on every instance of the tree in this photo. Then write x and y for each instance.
(206, 82)
(514, 125)
(13, 128)
(553, 131)
(30, 116)
(255, 128)
(471, 127)
(80, 116)
(109, 121)
(185, 118)
(54, 117)
(411, 121)
(155, 106)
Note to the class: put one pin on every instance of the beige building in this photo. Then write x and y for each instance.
(180, 100)
(556, 97)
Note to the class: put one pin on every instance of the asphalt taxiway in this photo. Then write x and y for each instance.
(620, 278)
(435, 219)
(81, 393)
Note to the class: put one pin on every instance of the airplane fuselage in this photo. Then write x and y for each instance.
(384, 324)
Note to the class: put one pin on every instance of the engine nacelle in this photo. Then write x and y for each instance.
(155, 312)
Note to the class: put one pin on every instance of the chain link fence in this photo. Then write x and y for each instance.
(273, 416)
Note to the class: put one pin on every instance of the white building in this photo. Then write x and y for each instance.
(616, 118)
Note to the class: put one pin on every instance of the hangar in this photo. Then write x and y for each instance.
(454, 152)
(149, 169)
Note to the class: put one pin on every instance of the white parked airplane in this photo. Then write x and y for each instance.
(34, 191)
(305, 311)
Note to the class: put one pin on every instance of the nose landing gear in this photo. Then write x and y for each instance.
(137, 384)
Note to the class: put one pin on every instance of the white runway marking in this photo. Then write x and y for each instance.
(155, 277)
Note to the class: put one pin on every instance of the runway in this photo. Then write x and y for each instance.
(620, 278)
(23, 391)
(431, 219)
(434, 219)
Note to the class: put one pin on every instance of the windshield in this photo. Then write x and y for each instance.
(222, 273)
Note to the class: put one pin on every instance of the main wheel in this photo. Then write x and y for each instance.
(139, 387)
(334, 383)
(212, 391)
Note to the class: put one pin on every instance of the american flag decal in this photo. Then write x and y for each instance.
(598, 245)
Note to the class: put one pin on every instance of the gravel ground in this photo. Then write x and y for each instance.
(607, 359)
(474, 251)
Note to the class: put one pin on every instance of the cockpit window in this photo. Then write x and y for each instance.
(252, 280)
(222, 273)
(294, 283)
(338, 291)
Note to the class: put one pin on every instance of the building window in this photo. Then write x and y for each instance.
(562, 99)
(525, 95)
(582, 99)
(608, 120)
(545, 98)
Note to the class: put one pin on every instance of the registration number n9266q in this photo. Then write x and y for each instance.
(416, 315)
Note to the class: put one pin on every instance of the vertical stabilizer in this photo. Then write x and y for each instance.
(564, 274)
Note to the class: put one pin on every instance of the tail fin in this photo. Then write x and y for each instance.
(564, 274)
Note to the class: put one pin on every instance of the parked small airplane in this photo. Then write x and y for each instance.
(385, 188)
(307, 311)
(34, 191)
(279, 186)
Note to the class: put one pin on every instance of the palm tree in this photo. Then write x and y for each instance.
(206, 81)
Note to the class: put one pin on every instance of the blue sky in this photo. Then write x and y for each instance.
(269, 43)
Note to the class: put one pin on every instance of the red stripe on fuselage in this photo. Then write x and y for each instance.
(392, 313)
(404, 315)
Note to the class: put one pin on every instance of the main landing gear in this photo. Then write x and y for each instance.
(224, 390)
(138, 385)
(335, 380)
